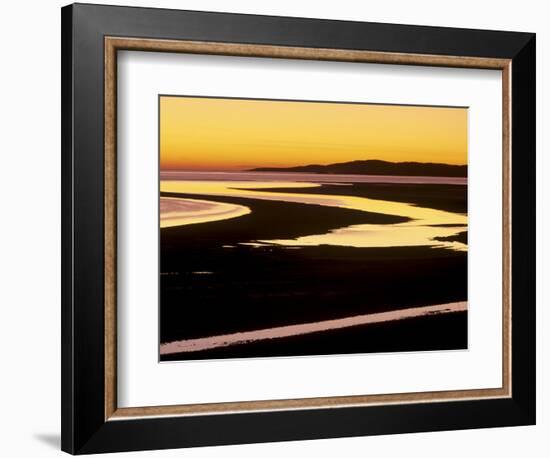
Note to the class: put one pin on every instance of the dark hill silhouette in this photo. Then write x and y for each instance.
(377, 167)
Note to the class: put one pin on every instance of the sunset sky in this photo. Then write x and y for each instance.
(237, 134)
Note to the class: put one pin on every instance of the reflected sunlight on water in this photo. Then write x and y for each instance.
(180, 212)
(424, 226)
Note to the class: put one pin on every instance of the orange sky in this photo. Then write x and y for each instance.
(236, 134)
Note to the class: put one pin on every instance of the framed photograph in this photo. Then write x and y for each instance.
(282, 228)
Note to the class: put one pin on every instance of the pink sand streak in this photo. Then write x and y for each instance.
(238, 338)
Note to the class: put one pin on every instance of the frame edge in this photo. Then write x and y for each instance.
(67, 382)
(523, 240)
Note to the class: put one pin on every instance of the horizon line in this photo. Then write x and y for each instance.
(252, 168)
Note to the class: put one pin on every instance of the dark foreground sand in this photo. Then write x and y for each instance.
(440, 332)
(211, 285)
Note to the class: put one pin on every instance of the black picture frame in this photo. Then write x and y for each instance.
(84, 426)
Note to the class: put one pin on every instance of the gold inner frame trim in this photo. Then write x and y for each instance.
(112, 45)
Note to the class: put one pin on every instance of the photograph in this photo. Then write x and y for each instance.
(310, 227)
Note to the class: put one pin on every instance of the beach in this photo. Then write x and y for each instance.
(243, 273)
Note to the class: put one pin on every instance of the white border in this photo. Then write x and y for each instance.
(142, 381)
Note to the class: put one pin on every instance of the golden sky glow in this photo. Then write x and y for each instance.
(237, 134)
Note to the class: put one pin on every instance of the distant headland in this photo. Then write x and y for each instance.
(376, 167)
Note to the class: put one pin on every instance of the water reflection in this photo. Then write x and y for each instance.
(424, 226)
(180, 212)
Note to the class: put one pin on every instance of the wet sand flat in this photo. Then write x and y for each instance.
(281, 332)
(212, 284)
